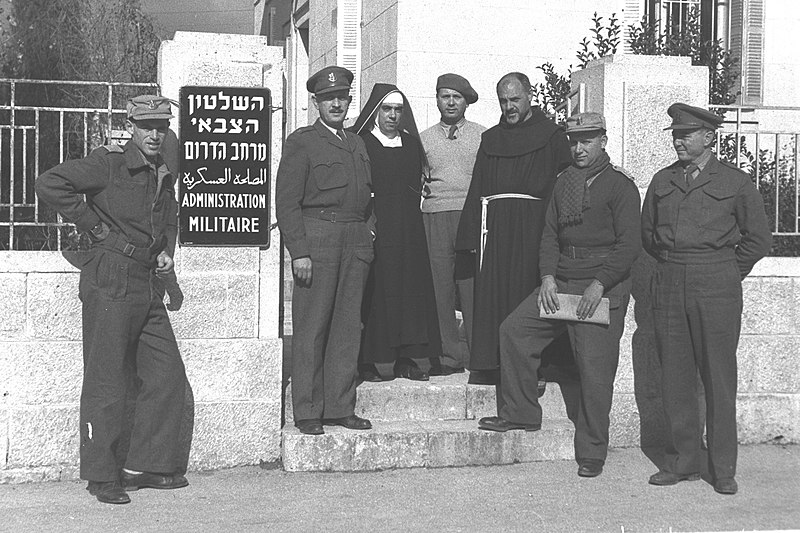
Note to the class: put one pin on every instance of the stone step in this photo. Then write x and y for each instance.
(424, 443)
(441, 398)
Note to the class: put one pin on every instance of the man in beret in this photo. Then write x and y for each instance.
(322, 200)
(704, 222)
(124, 198)
(450, 148)
(590, 240)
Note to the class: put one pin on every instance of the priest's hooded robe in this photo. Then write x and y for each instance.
(521, 158)
(399, 309)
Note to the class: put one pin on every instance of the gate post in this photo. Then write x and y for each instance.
(228, 325)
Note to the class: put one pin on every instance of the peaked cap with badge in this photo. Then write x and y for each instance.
(330, 79)
(581, 122)
(149, 107)
(687, 117)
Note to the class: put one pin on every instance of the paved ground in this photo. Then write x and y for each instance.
(523, 497)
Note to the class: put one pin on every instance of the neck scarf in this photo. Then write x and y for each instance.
(576, 190)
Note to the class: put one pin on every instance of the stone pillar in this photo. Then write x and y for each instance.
(633, 92)
(228, 326)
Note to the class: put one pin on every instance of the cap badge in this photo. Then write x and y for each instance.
(579, 121)
(332, 77)
(152, 104)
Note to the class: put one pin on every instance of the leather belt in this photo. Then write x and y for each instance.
(577, 252)
(332, 215)
(115, 242)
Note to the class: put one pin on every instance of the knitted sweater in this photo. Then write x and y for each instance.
(451, 162)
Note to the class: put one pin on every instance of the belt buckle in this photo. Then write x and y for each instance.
(571, 252)
(129, 249)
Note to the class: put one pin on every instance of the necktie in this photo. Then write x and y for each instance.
(452, 133)
(691, 172)
(340, 134)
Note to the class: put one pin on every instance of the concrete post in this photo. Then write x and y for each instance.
(228, 325)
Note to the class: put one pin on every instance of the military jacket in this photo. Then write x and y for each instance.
(718, 216)
(320, 171)
(131, 196)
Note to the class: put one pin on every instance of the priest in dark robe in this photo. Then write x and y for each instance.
(522, 154)
(399, 311)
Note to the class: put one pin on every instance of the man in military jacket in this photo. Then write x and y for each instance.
(704, 222)
(589, 242)
(322, 202)
(130, 213)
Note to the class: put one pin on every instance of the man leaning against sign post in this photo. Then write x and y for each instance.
(704, 222)
(124, 197)
(322, 201)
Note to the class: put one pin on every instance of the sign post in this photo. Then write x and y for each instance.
(224, 180)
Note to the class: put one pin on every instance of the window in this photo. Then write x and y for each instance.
(674, 16)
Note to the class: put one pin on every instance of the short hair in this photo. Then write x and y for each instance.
(520, 77)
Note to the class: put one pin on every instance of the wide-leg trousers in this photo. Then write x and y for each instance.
(326, 320)
(523, 337)
(441, 229)
(697, 312)
(126, 326)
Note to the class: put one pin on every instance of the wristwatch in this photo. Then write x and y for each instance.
(99, 231)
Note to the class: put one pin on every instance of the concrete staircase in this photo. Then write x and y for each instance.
(426, 424)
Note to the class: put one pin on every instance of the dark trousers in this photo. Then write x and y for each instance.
(697, 310)
(326, 320)
(125, 326)
(523, 337)
(440, 230)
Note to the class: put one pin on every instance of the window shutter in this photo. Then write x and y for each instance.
(632, 11)
(348, 51)
(747, 43)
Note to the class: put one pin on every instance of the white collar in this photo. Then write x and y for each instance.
(395, 142)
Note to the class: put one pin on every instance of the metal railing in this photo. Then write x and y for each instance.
(771, 158)
(42, 123)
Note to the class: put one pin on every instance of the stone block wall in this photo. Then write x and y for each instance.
(234, 410)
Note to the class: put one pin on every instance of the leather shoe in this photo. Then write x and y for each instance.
(445, 370)
(496, 423)
(668, 478)
(108, 492)
(726, 485)
(370, 375)
(411, 372)
(350, 422)
(484, 377)
(590, 468)
(147, 480)
(541, 388)
(309, 426)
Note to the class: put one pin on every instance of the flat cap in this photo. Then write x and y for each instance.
(330, 79)
(686, 117)
(586, 122)
(458, 84)
(149, 107)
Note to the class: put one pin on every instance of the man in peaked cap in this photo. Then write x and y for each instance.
(322, 200)
(450, 148)
(590, 240)
(704, 222)
(124, 198)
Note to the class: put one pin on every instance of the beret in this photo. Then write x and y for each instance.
(686, 117)
(149, 107)
(330, 79)
(585, 122)
(459, 84)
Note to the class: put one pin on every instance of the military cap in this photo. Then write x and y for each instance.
(686, 117)
(149, 107)
(330, 79)
(586, 122)
(459, 84)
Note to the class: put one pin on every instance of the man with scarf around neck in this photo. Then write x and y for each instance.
(705, 224)
(399, 310)
(589, 242)
(522, 154)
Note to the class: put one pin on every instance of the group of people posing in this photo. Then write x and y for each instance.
(531, 231)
